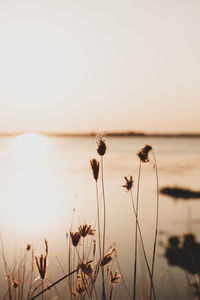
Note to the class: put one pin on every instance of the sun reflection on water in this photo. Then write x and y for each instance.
(30, 205)
(30, 147)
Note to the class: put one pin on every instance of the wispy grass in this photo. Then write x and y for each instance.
(89, 267)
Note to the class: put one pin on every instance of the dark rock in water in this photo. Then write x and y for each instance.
(184, 252)
(177, 192)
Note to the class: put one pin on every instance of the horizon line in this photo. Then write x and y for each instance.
(127, 133)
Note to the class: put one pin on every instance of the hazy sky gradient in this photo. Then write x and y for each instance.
(107, 65)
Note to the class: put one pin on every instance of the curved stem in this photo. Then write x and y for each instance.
(156, 230)
(98, 217)
(56, 282)
(99, 231)
(136, 233)
(104, 222)
(142, 243)
(122, 277)
(42, 288)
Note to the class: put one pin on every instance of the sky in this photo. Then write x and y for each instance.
(109, 65)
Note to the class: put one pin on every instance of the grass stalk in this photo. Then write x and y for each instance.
(31, 275)
(42, 289)
(104, 226)
(55, 283)
(136, 233)
(122, 277)
(6, 269)
(142, 243)
(156, 229)
(99, 235)
(173, 286)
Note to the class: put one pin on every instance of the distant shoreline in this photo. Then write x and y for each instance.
(110, 134)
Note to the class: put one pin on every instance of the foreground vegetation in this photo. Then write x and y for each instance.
(93, 268)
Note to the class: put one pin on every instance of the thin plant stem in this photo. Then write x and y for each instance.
(23, 276)
(79, 258)
(104, 224)
(111, 293)
(83, 248)
(69, 270)
(6, 269)
(142, 243)
(181, 263)
(56, 282)
(90, 245)
(70, 257)
(95, 291)
(122, 277)
(42, 289)
(99, 231)
(73, 263)
(172, 283)
(156, 229)
(31, 276)
(136, 233)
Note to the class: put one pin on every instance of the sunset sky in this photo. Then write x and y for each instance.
(87, 65)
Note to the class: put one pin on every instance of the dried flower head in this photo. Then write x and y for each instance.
(144, 153)
(15, 284)
(80, 288)
(114, 277)
(129, 183)
(75, 237)
(86, 268)
(28, 247)
(46, 245)
(106, 259)
(101, 149)
(95, 168)
(94, 247)
(85, 230)
(41, 263)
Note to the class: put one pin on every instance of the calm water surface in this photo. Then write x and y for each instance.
(44, 179)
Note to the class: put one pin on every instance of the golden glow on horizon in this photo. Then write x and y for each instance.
(29, 146)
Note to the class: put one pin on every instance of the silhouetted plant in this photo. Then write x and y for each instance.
(75, 238)
(41, 263)
(95, 168)
(101, 149)
(141, 238)
(144, 153)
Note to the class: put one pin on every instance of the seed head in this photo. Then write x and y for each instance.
(28, 247)
(95, 168)
(15, 284)
(129, 183)
(85, 230)
(80, 288)
(46, 245)
(101, 149)
(114, 277)
(106, 259)
(75, 237)
(41, 263)
(144, 153)
(94, 247)
(86, 268)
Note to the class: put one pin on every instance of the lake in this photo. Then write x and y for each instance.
(46, 186)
